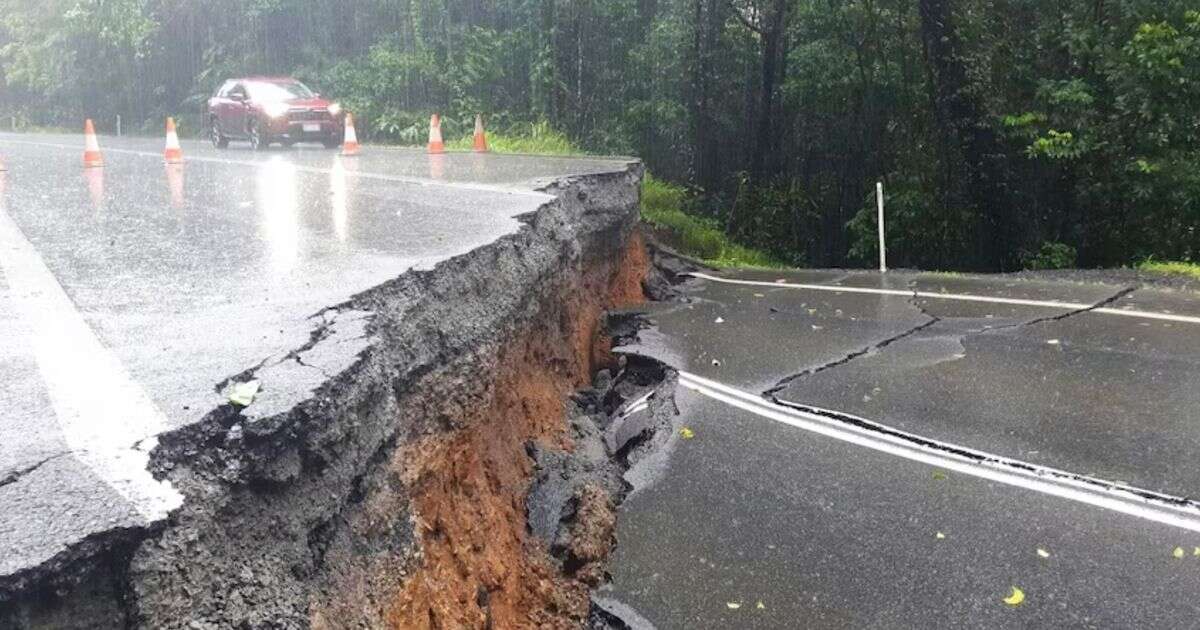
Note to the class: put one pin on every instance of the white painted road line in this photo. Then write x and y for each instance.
(419, 181)
(101, 411)
(1127, 500)
(1073, 306)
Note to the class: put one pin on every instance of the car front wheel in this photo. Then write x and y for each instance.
(218, 139)
(258, 140)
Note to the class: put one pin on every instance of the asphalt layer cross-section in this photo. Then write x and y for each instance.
(129, 294)
(752, 523)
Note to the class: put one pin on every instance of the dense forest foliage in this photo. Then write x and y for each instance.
(1008, 133)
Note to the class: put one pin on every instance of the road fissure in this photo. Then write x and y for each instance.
(1060, 317)
(861, 352)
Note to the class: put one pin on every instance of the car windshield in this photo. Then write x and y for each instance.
(279, 91)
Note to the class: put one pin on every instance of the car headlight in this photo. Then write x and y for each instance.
(335, 109)
(275, 110)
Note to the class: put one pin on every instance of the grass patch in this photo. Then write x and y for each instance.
(1178, 268)
(537, 139)
(699, 237)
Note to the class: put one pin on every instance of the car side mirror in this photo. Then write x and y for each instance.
(241, 98)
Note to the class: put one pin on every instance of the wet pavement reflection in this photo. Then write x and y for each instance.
(171, 278)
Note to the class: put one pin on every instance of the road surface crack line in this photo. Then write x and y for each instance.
(1057, 318)
(1151, 505)
(16, 475)
(865, 351)
(313, 367)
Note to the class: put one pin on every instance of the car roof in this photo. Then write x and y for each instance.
(263, 79)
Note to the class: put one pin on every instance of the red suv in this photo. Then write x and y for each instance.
(263, 110)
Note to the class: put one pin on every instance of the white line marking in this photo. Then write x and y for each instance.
(1122, 499)
(641, 403)
(1073, 306)
(314, 169)
(101, 411)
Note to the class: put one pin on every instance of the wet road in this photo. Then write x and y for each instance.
(895, 451)
(128, 293)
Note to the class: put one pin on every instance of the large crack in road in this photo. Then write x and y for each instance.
(394, 495)
(867, 350)
(933, 320)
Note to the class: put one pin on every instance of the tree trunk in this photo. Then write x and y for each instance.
(709, 20)
(772, 36)
(979, 183)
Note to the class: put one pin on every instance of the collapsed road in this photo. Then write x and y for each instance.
(290, 389)
(439, 430)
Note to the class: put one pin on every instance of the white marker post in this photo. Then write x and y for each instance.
(882, 246)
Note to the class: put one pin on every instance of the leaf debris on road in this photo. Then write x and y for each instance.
(243, 393)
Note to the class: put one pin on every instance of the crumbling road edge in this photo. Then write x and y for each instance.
(282, 517)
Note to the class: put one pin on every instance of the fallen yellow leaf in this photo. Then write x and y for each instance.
(687, 433)
(760, 605)
(1178, 553)
(733, 605)
(940, 535)
(243, 393)
(1016, 598)
(1043, 553)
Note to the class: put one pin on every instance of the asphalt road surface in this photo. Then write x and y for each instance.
(900, 451)
(129, 294)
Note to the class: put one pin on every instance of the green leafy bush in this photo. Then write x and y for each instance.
(1175, 267)
(1051, 256)
(532, 138)
(700, 237)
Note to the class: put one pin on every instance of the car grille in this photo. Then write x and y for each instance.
(306, 115)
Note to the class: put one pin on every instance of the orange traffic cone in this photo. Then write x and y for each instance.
(350, 143)
(95, 185)
(91, 146)
(175, 183)
(435, 135)
(480, 137)
(173, 153)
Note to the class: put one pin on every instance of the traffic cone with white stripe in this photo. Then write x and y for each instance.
(173, 153)
(481, 145)
(350, 142)
(91, 146)
(94, 177)
(435, 135)
(175, 183)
